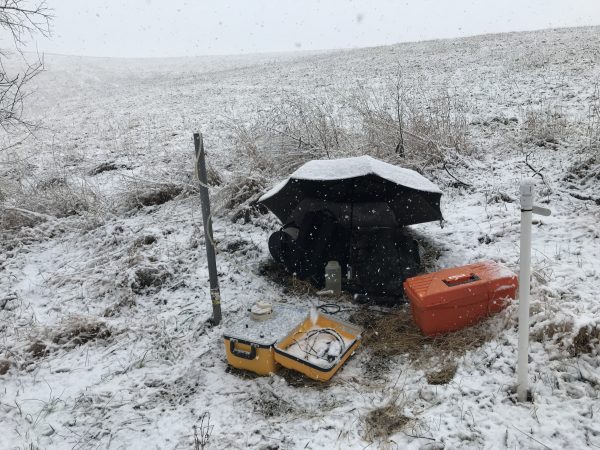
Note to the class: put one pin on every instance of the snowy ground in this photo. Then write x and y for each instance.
(95, 360)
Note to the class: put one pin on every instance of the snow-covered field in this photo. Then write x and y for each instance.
(103, 302)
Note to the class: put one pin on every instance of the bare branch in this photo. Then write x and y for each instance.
(22, 19)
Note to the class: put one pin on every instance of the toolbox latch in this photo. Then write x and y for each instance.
(463, 278)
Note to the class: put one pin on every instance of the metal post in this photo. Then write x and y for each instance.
(524, 286)
(215, 294)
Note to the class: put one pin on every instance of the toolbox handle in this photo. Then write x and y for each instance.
(463, 278)
(241, 353)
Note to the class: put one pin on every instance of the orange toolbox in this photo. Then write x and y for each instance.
(455, 298)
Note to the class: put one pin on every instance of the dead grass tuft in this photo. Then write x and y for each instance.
(586, 341)
(239, 198)
(148, 278)
(13, 219)
(69, 335)
(292, 285)
(38, 349)
(4, 366)
(105, 167)
(59, 197)
(158, 194)
(545, 126)
(443, 375)
(395, 333)
(552, 330)
(270, 404)
(78, 331)
(381, 423)
(125, 302)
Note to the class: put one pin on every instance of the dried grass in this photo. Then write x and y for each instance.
(291, 284)
(58, 197)
(4, 366)
(79, 331)
(16, 218)
(586, 341)
(396, 334)
(443, 375)
(68, 335)
(268, 403)
(150, 278)
(545, 126)
(154, 194)
(551, 331)
(381, 423)
(239, 198)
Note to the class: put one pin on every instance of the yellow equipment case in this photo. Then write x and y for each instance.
(249, 342)
(299, 349)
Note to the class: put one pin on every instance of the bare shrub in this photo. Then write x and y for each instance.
(274, 143)
(20, 19)
(202, 431)
(403, 120)
(545, 125)
(312, 123)
(593, 122)
(238, 199)
(397, 123)
(55, 196)
(157, 186)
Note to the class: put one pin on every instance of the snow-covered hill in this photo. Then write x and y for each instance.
(103, 282)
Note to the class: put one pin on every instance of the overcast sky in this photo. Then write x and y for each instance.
(200, 27)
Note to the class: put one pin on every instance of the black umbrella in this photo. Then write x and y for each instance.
(356, 189)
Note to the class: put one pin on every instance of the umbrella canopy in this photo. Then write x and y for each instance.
(373, 188)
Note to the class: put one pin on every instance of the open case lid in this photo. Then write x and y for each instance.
(265, 333)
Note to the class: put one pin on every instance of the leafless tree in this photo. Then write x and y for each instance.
(21, 20)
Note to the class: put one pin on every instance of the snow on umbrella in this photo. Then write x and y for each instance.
(371, 190)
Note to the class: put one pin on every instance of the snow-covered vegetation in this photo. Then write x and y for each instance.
(104, 298)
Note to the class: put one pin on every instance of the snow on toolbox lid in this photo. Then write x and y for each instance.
(264, 333)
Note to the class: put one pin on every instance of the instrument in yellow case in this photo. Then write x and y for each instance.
(318, 346)
(249, 337)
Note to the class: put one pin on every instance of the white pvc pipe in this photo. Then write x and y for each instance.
(524, 286)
